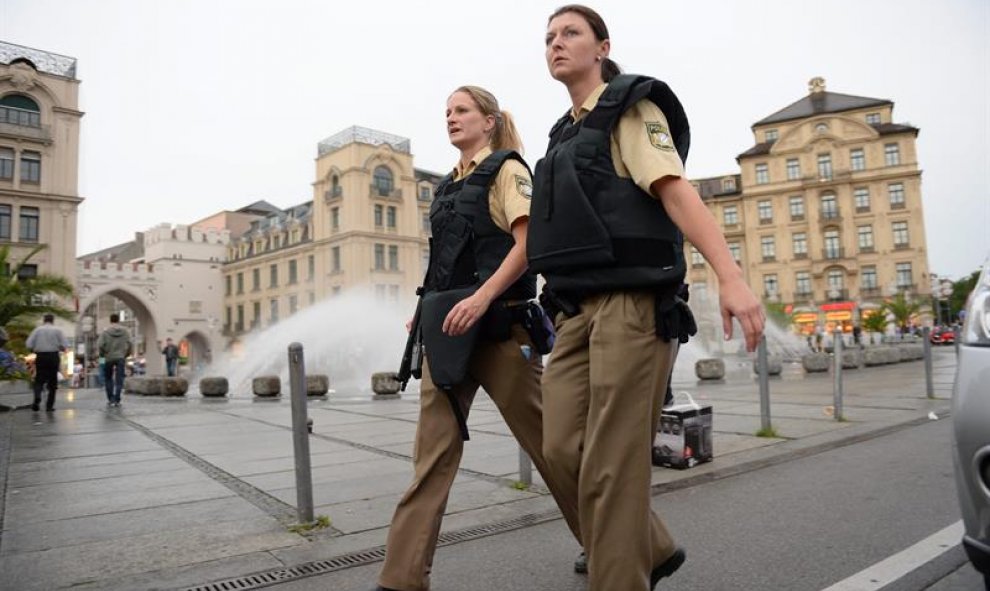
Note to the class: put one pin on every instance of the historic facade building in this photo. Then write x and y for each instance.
(366, 226)
(825, 215)
(39, 158)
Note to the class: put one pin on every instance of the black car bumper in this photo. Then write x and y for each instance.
(979, 554)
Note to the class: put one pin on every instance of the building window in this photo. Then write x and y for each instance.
(903, 273)
(770, 135)
(273, 311)
(424, 261)
(379, 257)
(728, 185)
(334, 219)
(335, 259)
(873, 118)
(17, 109)
(424, 193)
(6, 216)
(293, 303)
(29, 224)
(830, 210)
(312, 297)
(770, 285)
(6, 163)
(393, 293)
(335, 189)
(293, 272)
(796, 205)
(730, 215)
(240, 318)
(865, 238)
(696, 259)
(228, 290)
(824, 167)
(383, 181)
(255, 279)
(833, 247)
(765, 210)
(900, 230)
(793, 169)
(256, 310)
(896, 193)
(768, 248)
(836, 279)
(857, 159)
(240, 283)
(736, 251)
(229, 314)
(821, 127)
(273, 276)
(380, 293)
(30, 167)
(379, 215)
(393, 258)
(427, 227)
(310, 268)
(868, 277)
(861, 196)
(891, 154)
(762, 174)
(800, 243)
(802, 281)
(390, 217)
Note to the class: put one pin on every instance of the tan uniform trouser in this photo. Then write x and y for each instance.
(602, 392)
(514, 384)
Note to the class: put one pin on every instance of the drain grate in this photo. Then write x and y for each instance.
(370, 556)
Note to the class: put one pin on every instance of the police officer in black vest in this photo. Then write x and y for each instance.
(475, 305)
(610, 200)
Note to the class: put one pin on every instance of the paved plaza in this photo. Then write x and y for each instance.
(178, 493)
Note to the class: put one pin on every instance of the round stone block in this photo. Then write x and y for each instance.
(851, 359)
(174, 386)
(709, 369)
(385, 384)
(874, 356)
(143, 385)
(266, 386)
(775, 365)
(213, 387)
(317, 385)
(816, 362)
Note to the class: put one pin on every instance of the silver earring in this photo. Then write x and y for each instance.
(598, 58)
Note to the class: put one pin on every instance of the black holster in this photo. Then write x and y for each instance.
(674, 319)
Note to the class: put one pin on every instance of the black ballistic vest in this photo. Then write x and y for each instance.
(467, 247)
(591, 230)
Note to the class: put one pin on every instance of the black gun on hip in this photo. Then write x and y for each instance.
(412, 356)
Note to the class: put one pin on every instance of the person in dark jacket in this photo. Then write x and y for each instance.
(171, 353)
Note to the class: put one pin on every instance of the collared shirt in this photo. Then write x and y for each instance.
(636, 151)
(47, 339)
(510, 192)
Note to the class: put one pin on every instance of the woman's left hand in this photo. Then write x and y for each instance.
(465, 314)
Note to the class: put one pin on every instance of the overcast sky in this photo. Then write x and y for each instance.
(195, 106)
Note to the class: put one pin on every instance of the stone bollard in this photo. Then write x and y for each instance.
(213, 387)
(385, 385)
(129, 384)
(174, 386)
(317, 385)
(851, 359)
(775, 365)
(710, 369)
(144, 386)
(815, 362)
(268, 387)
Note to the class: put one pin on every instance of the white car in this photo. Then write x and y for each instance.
(971, 423)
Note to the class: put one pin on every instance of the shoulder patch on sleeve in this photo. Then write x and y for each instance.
(524, 186)
(659, 135)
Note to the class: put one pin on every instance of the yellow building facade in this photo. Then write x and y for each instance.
(367, 226)
(825, 215)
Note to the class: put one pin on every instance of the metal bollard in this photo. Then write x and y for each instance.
(837, 344)
(956, 333)
(927, 345)
(764, 375)
(300, 434)
(525, 468)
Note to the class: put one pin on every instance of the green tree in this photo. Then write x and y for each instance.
(23, 300)
(960, 292)
(902, 309)
(778, 314)
(876, 322)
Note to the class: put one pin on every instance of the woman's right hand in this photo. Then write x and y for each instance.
(737, 299)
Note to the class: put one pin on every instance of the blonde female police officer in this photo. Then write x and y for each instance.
(609, 199)
(490, 188)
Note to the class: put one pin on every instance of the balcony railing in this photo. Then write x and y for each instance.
(382, 193)
(766, 221)
(867, 249)
(797, 218)
(40, 133)
(902, 246)
(830, 216)
(800, 255)
(869, 292)
(833, 253)
(836, 295)
(334, 193)
(906, 287)
(804, 295)
(898, 205)
(863, 209)
(769, 258)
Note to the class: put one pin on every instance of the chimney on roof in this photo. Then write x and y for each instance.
(816, 85)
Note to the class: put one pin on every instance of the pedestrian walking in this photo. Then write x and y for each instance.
(609, 199)
(171, 353)
(479, 219)
(47, 342)
(114, 346)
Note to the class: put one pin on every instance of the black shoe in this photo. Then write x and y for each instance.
(49, 409)
(668, 567)
(380, 588)
(35, 407)
(581, 564)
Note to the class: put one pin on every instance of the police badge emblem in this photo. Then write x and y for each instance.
(659, 135)
(524, 186)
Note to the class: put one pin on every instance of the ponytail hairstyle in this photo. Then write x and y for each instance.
(505, 136)
(610, 69)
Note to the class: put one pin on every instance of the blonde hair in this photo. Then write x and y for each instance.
(505, 136)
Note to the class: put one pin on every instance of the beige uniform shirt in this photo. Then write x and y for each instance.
(510, 192)
(642, 147)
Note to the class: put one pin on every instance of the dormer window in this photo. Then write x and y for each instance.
(383, 181)
(17, 109)
(821, 127)
(770, 135)
(728, 185)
